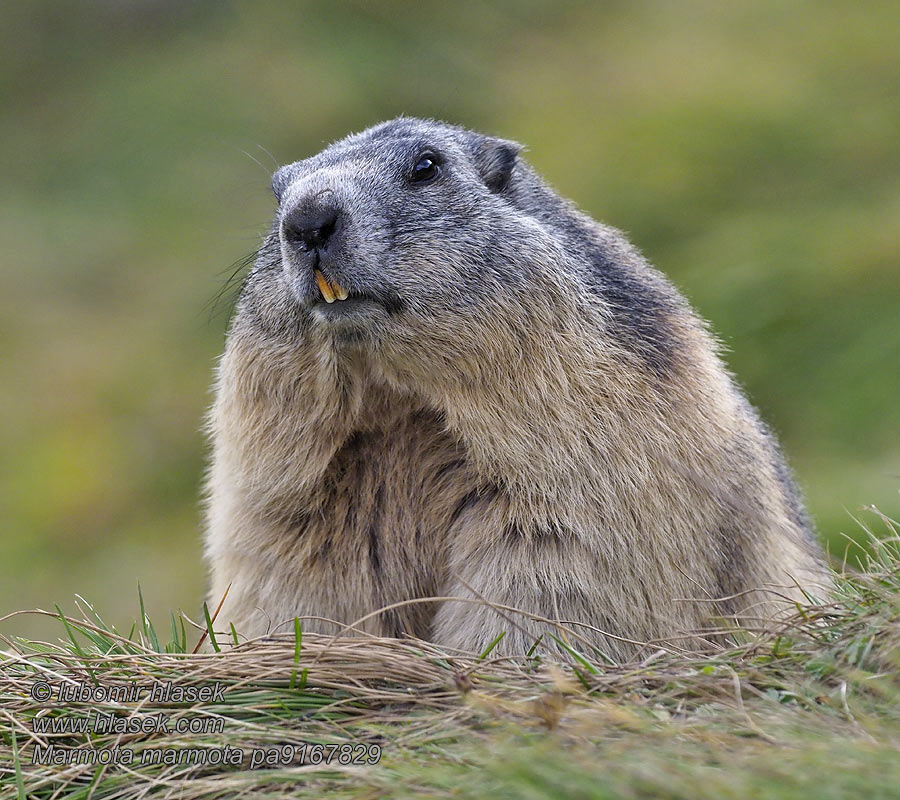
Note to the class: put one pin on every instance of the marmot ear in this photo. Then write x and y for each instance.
(495, 160)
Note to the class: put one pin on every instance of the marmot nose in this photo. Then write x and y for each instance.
(310, 226)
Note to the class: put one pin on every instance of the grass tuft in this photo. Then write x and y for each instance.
(810, 708)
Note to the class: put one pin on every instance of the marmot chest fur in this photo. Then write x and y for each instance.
(443, 380)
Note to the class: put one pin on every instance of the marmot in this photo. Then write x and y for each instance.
(443, 380)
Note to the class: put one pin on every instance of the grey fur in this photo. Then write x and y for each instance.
(523, 411)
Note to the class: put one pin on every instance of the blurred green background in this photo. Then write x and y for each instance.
(752, 150)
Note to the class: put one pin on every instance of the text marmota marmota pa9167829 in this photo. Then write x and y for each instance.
(443, 380)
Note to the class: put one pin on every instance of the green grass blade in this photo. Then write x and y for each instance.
(20, 783)
(298, 646)
(75, 644)
(149, 632)
(209, 629)
(491, 646)
(534, 647)
(576, 655)
(175, 639)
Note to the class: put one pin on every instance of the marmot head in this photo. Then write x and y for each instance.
(410, 226)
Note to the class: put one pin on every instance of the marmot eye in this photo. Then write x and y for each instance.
(426, 169)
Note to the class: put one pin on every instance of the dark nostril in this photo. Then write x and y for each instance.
(326, 228)
(311, 228)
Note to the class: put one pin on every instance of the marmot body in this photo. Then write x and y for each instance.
(509, 404)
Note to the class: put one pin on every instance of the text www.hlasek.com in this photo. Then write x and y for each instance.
(98, 722)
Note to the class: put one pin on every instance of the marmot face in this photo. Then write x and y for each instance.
(403, 235)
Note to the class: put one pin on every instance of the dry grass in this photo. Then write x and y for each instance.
(785, 708)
